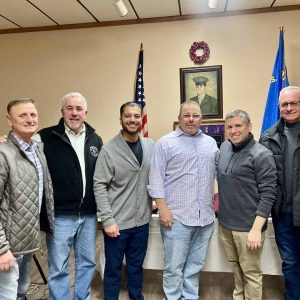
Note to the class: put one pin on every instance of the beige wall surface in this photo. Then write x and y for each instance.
(101, 63)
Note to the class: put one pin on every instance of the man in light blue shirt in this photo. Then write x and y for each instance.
(181, 181)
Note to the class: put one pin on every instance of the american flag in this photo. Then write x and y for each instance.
(139, 91)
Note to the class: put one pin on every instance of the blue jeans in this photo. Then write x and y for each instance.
(185, 251)
(14, 282)
(288, 241)
(80, 232)
(133, 244)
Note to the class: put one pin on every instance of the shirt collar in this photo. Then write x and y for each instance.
(201, 98)
(71, 132)
(23, 145)
(179, 132)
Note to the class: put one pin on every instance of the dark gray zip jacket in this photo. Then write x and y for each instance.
(275, 140)
(247, 184)
(19, 199)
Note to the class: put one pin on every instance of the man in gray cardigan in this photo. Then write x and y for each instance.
(26, 197)
(247, 187)
(123, 203)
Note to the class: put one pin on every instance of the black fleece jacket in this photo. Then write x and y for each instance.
(65, 169)
(275, 140)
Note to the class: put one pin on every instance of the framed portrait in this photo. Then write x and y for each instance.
(213, 128)
(203, 85)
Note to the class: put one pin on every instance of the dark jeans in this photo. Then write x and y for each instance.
(133, 244)
(288, 241)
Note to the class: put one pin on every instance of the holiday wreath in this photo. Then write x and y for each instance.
(202, 58)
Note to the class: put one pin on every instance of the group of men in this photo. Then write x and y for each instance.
(64, 207)
(252, 180)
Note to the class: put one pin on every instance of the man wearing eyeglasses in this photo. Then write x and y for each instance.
(283, 139)
(181, 180)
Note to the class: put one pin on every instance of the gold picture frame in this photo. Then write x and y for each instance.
(211, 81)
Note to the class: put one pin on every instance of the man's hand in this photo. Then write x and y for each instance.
(6, 261)
(254, 240)
(254, 235)
(165, 216)
(3, 139)
(112, 231)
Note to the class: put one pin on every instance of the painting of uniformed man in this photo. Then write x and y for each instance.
(203, 85)
(208, 103)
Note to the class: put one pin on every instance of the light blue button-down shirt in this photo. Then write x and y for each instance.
(182, 170)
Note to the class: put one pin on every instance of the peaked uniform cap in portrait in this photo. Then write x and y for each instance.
(200, 80)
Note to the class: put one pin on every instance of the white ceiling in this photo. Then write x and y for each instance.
(20, 15)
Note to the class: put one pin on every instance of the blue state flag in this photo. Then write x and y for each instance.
(279, 80)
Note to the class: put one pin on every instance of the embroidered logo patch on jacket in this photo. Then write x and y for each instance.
(94, 150)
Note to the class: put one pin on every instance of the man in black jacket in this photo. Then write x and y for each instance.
(71, 150)
(283, 139)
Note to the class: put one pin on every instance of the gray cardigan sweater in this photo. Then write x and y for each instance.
(247, 185)
(120, 184)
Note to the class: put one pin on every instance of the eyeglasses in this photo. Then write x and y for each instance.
(285, 105)
(187, 117)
